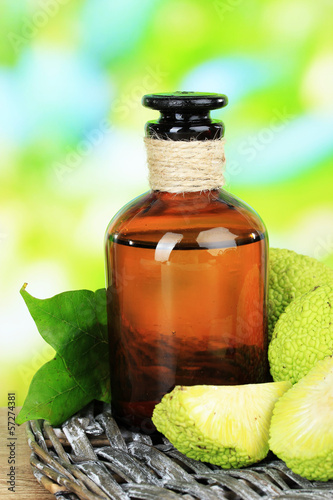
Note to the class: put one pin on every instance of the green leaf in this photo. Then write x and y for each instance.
(74, 323)
(54, 395)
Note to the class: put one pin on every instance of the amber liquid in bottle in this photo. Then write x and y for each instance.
(186, 277)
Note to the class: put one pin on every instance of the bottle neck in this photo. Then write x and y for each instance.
(185, 166)
(188, 198)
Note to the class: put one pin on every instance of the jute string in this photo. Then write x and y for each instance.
(182, 166)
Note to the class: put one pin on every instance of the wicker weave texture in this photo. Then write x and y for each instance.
(91, 458)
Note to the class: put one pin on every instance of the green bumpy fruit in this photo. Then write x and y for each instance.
(290, 276)
(223, 425)
(301, 431)
(303, 335)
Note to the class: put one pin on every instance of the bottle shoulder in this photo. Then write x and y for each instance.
(151, 215)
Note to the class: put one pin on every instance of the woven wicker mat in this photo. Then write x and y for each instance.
(91, 458)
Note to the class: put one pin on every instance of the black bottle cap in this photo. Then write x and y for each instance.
(185, 116)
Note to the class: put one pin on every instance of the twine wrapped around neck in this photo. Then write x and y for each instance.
(183, 166)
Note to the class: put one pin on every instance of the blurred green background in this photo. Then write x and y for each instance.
(72, 74)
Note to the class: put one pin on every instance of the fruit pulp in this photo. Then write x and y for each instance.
(185, 307)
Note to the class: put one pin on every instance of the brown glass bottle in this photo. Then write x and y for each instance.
(186, 283)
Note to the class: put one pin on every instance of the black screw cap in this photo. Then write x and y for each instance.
(185, 115)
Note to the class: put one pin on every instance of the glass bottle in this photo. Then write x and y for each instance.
(186, 280)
